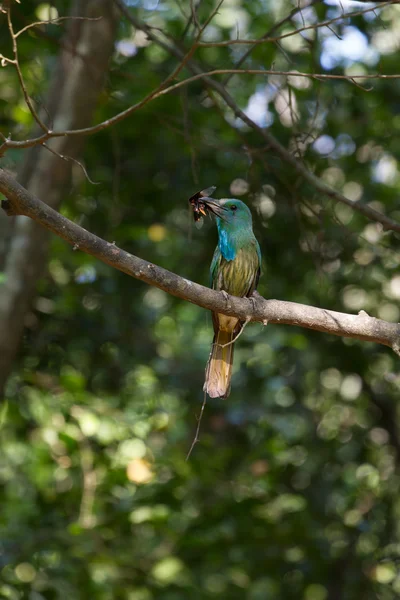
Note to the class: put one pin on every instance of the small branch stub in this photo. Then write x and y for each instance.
(8, 208)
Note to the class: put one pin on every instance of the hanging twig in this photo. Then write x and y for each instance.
(196, 436)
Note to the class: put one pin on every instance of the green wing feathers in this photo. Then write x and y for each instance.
(238, 277)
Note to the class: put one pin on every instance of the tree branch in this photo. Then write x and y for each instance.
(15, 62)
(56, 21)
(155, 93)
(270, 32)
(363, 327)
(162, 90)
(74, 88)
(313, 26)
(186, 60)
(274, 144)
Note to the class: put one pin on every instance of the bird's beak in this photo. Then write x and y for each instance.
(214, 207)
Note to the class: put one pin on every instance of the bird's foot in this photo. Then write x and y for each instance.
(255, 298)
(226, 298)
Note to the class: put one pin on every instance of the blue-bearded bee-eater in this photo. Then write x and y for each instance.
(235, 269)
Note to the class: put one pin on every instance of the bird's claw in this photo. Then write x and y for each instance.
(254, 297)
(225, 295)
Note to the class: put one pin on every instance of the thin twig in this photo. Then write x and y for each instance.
(6, 61)
(236, 336)
(266, 72)
(162, 91)
(188, 137)
(54, 22)
(361, 87)
(299, 8)
(117, 118)
(194, 14)
(70, 159)
(334, 33)
(267, 40)
(207, 77)
(211, 16)
(269, 34)
(281, 151)
(196, 437)
(19, 73)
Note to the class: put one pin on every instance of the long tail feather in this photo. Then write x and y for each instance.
(219, 366)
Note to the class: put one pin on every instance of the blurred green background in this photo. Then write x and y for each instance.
(293, 489)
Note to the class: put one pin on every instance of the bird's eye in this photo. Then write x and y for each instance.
(233, 207)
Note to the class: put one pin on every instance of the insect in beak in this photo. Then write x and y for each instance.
(197, 202)
(202, 204)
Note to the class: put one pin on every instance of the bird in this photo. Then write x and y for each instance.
(235, 269)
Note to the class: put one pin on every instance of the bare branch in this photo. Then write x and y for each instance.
(236, 336)
(318, 184)
(363, 327)
(6, 61)
(266, 40)
(8, 143)
(210, 18)
(194, 18)
(71, 159)
(109, 122)
(76, 75)
(269, 33)
(54, 22)
(196, 435)
(185, 60)
(317, 76)
(19, 73)
(163, 90)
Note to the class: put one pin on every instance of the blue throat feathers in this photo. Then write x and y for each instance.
(225, 244)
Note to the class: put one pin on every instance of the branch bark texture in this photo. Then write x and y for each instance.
(73, 93)
(363, 327)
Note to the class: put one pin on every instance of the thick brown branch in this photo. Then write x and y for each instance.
(363, 327)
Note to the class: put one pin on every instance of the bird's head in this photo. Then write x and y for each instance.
(232, 213)
(228, 209)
